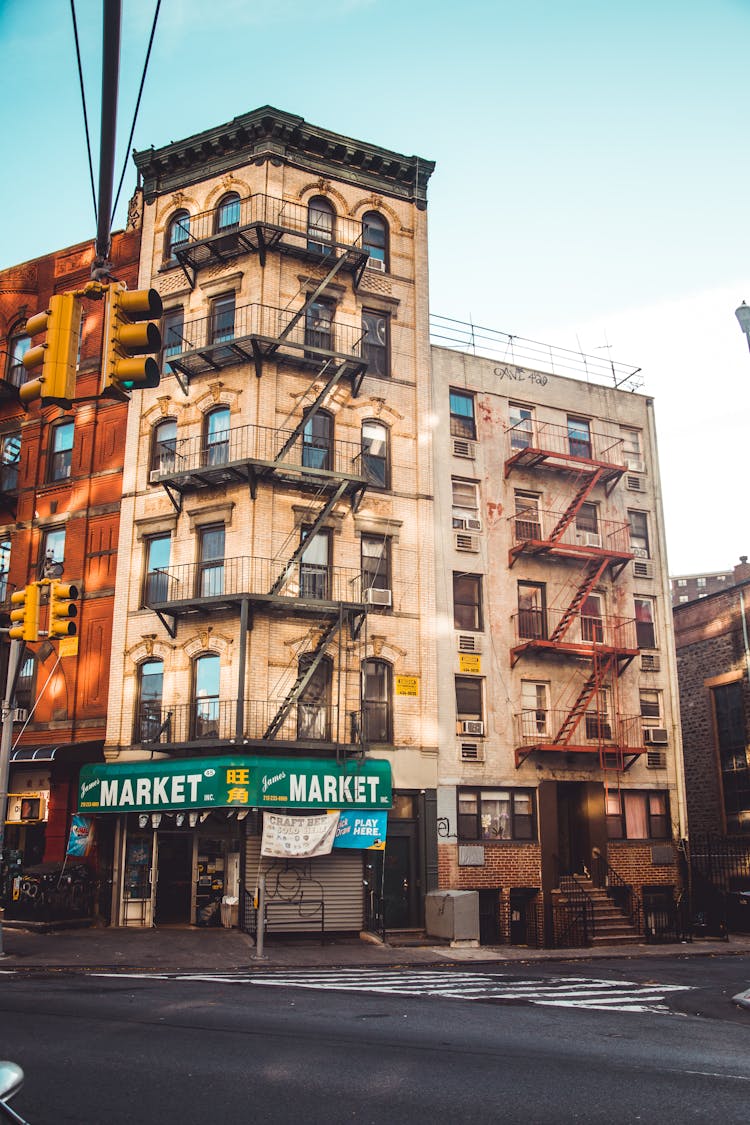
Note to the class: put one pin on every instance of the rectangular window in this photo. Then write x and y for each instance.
(637, 815)
(587, 519)
(469, 699)
(592, 622)
(579, 437)
(314, 566)
(734, 759)
(631, 448)
(532, 611)
(645, 630)
(465, 494)
(173, 334)
(650, 706)
(376, 331)
(496, 814)
(19, 345)
(52, 554)
(521, 421)
(467, 602)
(222, 319)
(61, 451)
(10, 457)
(534, 709)
(463, 423)
(527, 522)
(639, 543)
(211, 564)
(156, 587)
(700, 583)
(319, 325)
(376, 569)
(4, 566)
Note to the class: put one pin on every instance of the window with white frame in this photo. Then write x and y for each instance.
(465, 503)
(650, 707)
(639, 541)
(521, 423)
(534, 708)
(631, 447)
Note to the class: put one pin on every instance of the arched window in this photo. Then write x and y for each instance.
(163, 446)
(321, 218)
(375, 453)
(228, 213)
(25, 685)
(216, 436)
(178, 233)
(317, 441)
(377, 725)
(205, 697)
(173, 335)
(314, 706)
(18, 344)
(149, 718)
(375, 239)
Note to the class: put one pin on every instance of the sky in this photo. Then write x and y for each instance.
(592, 173)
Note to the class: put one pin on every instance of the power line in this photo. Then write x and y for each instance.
(135, 113)
(83, 101)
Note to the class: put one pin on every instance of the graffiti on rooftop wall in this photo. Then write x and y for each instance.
(521, 375)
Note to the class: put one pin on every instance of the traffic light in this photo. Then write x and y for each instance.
(25, 617)
(130, 339)
(57, 357)
(62, 608)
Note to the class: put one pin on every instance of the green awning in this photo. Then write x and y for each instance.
(236, 782)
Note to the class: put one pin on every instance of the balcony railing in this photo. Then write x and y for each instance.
(544, 628)
(539, 727)
(258, 446)
(531, 533)
(221, 580)
(215, 720)
(531, 442)
(258, 222)
(255, 332)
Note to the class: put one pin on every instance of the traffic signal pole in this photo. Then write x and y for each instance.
(110, 78)
(15, 657)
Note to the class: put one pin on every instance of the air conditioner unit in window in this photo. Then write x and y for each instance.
(472, 726)
(469, 642)
(19, 715)
(650, 662)
(374, 596)
(635, 465)
(639, 552)
(466, 541)
(462, 447)
(655, 736)
(656, 760)
(589, 538)
(634, 484)
(472, 524)
(376, 264)
(471, 751)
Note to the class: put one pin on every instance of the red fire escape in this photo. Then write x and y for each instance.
(596, 648)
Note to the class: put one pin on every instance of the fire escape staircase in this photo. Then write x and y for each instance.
(304, 675)
(585, 488)
(602, 666)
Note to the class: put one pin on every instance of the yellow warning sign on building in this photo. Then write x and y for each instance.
(407, 685)
(68, 646)
(469, 662)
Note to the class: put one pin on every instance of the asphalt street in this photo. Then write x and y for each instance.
(182, 1048)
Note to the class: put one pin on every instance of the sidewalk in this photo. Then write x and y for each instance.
(188, 949)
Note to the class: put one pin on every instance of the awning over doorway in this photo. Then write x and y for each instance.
(60, 751)
(236, 782)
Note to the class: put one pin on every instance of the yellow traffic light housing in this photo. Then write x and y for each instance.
(131, 340)
(57, 357)
(25, 616)
(62, 608)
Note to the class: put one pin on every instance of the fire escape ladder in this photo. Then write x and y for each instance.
(591, 686)
(315, 406)
(311, 298)
(310, 533)
(590, 480)
(592, 574)
(304, 675)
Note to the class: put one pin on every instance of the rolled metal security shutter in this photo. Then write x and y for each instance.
(294, 888)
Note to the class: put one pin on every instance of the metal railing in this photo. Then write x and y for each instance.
(254, 443)
(584, 630)
(215, 720)
(621, 893)
(534, 726)
(573, 922)
(223, 578)
(538, 527)
(272, 211)
(266, 322)
(564, 441)
(515, 355)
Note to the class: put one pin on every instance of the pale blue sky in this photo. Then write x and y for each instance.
(591, 181)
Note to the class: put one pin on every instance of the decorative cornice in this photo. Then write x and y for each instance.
(271, 134)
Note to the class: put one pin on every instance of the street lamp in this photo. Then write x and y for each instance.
(743, 316)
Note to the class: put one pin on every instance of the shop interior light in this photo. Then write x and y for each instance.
(179, 819)
(143, 820)
(242, 814)
(155, 819)
(205, 815)
(192, 819)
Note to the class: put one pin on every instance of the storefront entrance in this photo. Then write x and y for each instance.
(174, 866)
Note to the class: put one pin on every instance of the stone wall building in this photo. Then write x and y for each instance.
(559, 736)
(275, 585)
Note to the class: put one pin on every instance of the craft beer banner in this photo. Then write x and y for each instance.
(236, 782)
(285, 836)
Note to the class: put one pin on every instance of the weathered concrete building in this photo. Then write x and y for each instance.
(275, 586)
(558, 712)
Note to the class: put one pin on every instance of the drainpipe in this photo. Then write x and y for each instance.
(239, 726)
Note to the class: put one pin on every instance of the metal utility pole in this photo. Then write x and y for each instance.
(110, 79)
(15, 656)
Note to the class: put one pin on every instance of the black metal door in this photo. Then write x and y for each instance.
(174, 883)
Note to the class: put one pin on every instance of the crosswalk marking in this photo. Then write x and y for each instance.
(558, 992)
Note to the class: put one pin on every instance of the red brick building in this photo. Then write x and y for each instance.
(60, 489)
